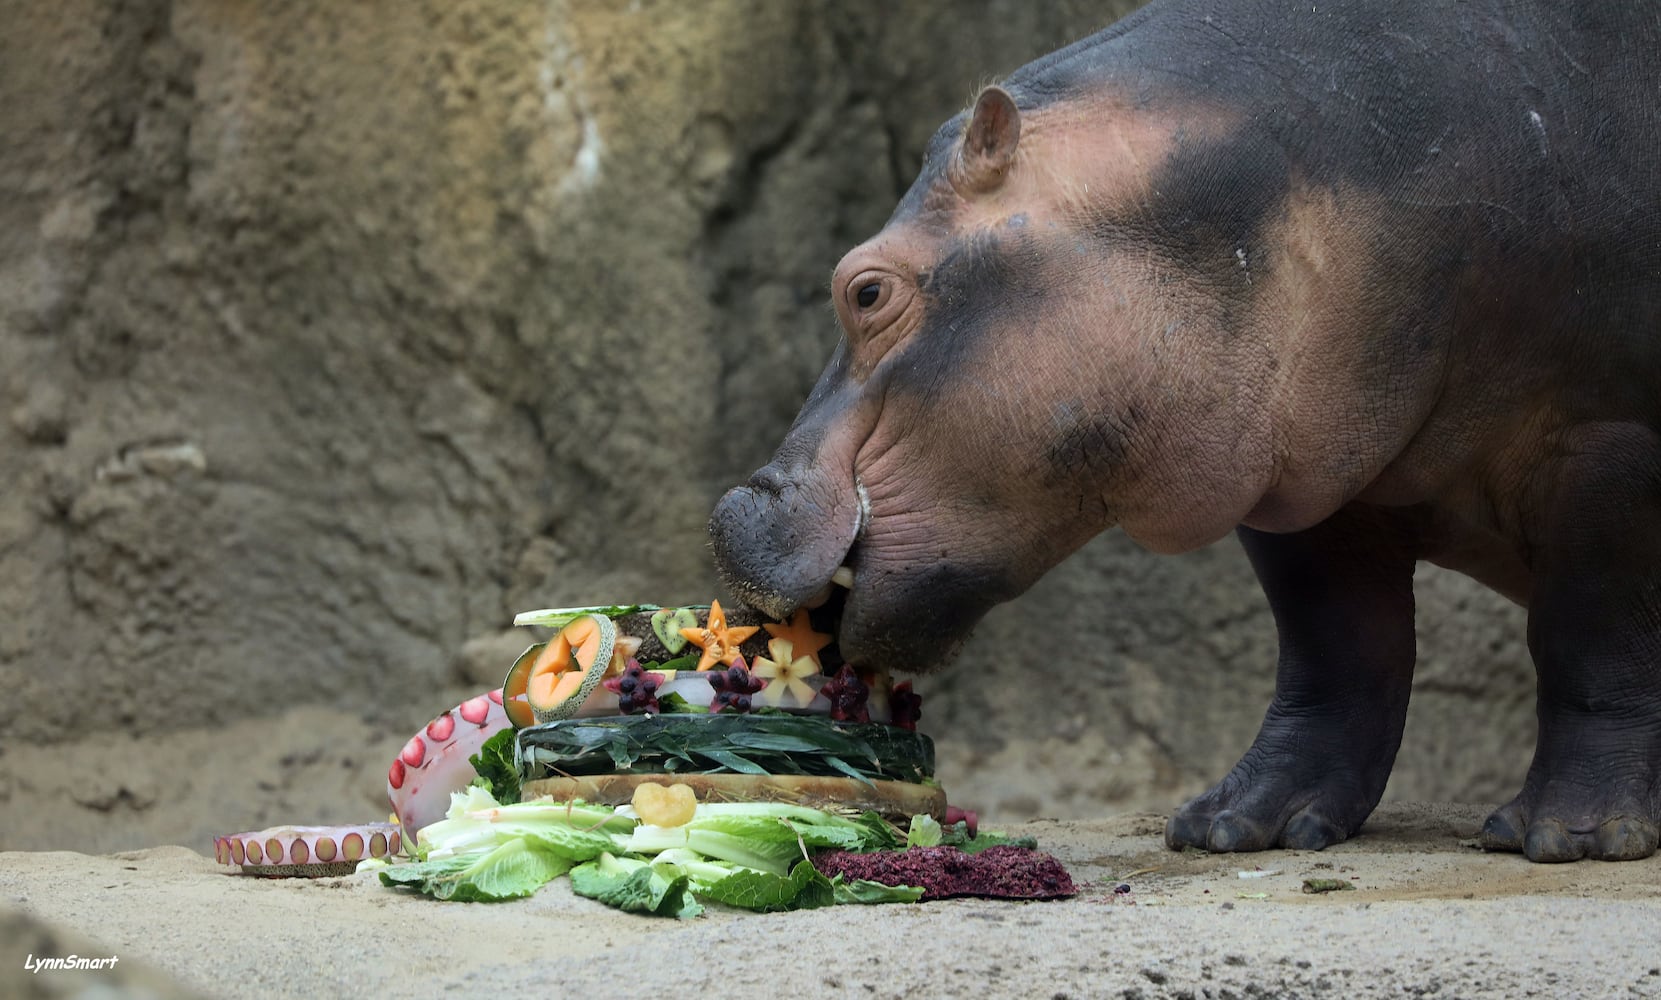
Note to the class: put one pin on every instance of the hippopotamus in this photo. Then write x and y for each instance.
(1364, 282)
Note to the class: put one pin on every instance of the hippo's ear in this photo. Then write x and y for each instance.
(990, 139)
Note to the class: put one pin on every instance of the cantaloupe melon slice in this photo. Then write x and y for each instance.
(513, 688)
(569, 668)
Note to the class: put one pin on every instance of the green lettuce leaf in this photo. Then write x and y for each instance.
(957, 835)
(633, 885)
(805, 888)
(925, 831)
(865, 891)
(476, 822)
(509, 871)
(495, 767)
(774, 856)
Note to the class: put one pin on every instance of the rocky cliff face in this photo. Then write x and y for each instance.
(331, 335)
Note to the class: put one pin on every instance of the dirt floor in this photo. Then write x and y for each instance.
(1429, 915)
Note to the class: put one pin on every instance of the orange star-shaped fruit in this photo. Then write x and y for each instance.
(803, 640)
(719, 643)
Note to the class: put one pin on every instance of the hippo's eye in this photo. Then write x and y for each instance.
(867, 294)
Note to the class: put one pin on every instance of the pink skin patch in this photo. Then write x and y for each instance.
(236, 850)
(255, 855)
(325, 849)
(440, 728)
(352, 847)
(395, 777)
(495, 696)
(474, 710)
(414, 752)
(377, 845)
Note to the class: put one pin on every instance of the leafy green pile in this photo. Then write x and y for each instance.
(749, 855)
(497, 771)
(710, 744)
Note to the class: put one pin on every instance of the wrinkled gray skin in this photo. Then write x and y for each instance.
(1365, 295)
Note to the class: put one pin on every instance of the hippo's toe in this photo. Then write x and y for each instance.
(1535, 828)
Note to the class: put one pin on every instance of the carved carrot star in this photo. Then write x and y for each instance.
(803, 640)
(784, 673)
(719, 642)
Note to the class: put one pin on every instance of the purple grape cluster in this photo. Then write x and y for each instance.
(734, 688)
(636, 690)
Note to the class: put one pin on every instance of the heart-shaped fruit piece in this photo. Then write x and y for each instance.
(667, 624)
(570, 667)
(660, 805)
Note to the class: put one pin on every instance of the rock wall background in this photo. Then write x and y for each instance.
(331, 335)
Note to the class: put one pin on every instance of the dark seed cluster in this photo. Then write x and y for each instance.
(734, 688)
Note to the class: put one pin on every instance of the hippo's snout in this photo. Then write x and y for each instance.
(778, 541)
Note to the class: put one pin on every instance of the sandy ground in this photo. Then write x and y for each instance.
(1429, 915)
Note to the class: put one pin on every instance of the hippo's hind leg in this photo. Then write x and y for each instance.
(1594, 627)
(1342, 597)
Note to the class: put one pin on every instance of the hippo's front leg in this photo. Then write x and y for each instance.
(1594, 627)
(1342, 597)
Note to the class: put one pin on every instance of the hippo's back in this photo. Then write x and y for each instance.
(1504, 158)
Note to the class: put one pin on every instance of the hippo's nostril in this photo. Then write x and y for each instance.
(769, 479)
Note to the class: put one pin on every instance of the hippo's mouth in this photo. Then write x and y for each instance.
(903, 617)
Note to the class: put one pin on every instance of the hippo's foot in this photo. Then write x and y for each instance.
(1594, 788)
(1342, 595)
(1603, 801)
(1305, 798)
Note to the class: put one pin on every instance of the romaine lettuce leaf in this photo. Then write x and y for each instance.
(475, 822)
(865, 891)
(774, 856)
(509, 871)
(925, 831)
(957, 835)
(633, 885)
(803, 889)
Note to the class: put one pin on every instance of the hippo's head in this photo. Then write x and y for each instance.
(992, 403)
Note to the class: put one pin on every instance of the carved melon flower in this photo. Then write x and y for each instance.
(719, 643)
(785, 673)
